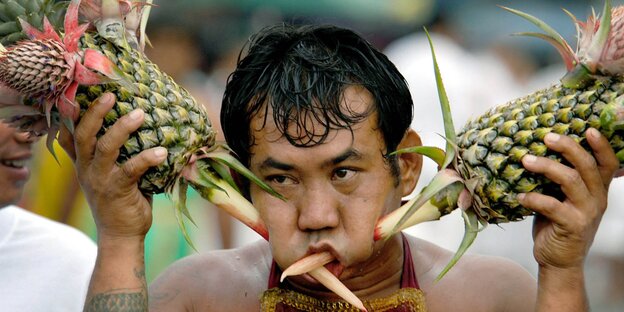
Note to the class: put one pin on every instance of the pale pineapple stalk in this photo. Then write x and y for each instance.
(61, 75)
(481, 171)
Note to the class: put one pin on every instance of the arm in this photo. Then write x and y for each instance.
(564, 229)
(122, 213)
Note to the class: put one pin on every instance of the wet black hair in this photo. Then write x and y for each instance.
(301, 72)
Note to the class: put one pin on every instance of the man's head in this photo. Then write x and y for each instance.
(15, 151)
(314, 111)
(299, 74)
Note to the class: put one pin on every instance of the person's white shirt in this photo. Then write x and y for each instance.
(44, 265)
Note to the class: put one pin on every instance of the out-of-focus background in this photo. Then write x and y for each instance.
(197, 42)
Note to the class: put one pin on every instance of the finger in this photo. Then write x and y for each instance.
(546, 206)
(568, 179)
(108, 145)
(66, 141)
(136, 166)
(608, 163)
(584, 163)
(85, 134)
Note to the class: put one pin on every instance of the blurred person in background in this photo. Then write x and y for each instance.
(44, 265)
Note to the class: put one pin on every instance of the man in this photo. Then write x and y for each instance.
(314, 111)
(44, 265)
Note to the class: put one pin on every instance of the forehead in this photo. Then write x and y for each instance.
(314, 120)
(363, 138)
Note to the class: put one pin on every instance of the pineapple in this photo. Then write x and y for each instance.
(480, 171)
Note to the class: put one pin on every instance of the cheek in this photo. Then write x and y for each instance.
(277, 215)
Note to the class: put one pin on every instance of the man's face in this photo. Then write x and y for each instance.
(335, 192)
(15, 151)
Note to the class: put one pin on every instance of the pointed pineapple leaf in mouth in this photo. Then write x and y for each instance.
(331, 282)
(306, 264)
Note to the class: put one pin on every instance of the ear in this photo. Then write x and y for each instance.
(410, 164)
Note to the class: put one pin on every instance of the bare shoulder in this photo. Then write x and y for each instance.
(475, 283)
(224, 280)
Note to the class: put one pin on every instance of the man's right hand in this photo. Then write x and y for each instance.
(120, 209)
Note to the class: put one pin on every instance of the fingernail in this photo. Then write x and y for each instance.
(529, 159)
(551, 137)
(593, 133)
(135, 114)
(160, 152)
(106, 97)
(520, 196)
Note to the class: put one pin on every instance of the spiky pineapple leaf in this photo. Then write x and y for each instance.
(471, 229)
(434, 153)
(449, 128)
(551, 32)
(224, 172)
(145, 15)
(235, 164)
(563, 50)
(178, 197)
(600, 39)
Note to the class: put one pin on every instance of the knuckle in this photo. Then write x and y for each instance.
(590, 162)
(79, 135)
(104, 145)
(573, 177)
(128, 169)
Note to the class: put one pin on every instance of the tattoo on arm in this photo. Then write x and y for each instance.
(120, 300)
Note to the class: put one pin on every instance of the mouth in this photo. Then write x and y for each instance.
(14, 163)
(335, 267)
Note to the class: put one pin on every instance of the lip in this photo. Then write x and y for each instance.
(20, 173)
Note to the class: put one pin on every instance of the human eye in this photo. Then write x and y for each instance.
(342, 174)
(279, 179)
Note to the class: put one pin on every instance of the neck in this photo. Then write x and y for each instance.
(376, 277)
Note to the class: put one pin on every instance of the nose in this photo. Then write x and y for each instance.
(318, 209)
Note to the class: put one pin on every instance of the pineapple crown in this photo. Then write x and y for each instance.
(599, 48)
(120, 21)
(77, 67)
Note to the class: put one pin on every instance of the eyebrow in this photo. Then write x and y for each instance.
(350, 153)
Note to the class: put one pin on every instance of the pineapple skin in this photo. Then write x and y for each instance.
(492, 145)
(173, 119)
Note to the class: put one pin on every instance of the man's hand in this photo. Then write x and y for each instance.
(564, 230)
(119, 208)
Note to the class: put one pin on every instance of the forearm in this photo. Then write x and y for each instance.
(118, 280)
(561, 290)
